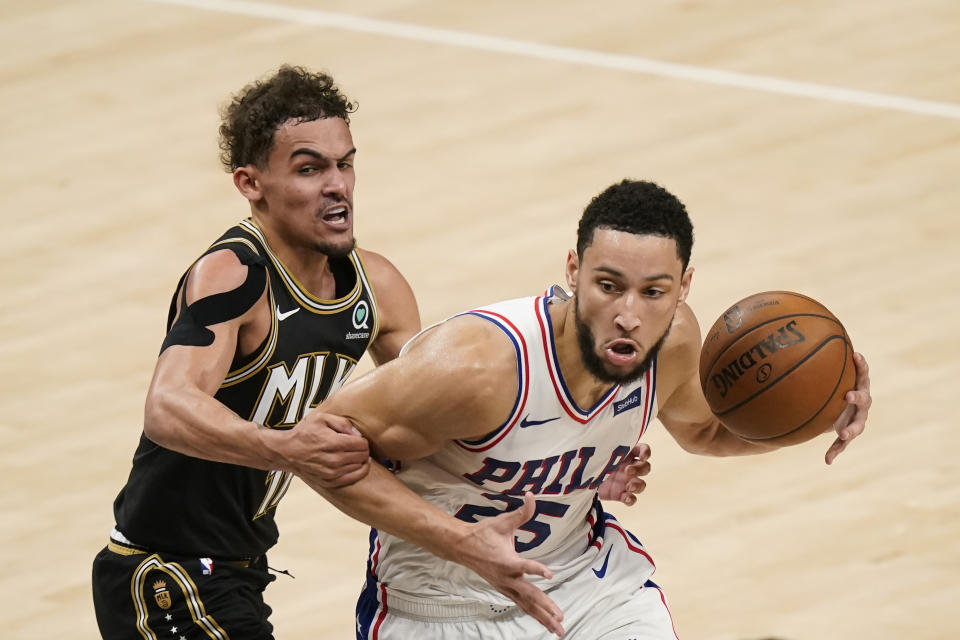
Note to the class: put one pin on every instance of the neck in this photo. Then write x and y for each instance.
(584, 387)
(309, 267)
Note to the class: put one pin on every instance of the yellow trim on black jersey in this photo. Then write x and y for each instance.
(300, 293)
(123, 550)
(243, 241)
(251, 369)
(374, 305)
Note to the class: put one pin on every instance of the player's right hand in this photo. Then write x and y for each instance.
(853, 418)
(489, 550)
(327, 450)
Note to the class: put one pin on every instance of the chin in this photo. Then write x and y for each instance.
(336, 249)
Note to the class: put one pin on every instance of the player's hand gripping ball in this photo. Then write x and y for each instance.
(775, 367)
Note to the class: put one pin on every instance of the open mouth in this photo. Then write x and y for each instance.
(336, 216)
(621, 352)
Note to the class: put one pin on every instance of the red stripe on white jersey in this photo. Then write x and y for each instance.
(524, 383)
(583, 417)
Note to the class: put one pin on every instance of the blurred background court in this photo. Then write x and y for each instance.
(816, 145)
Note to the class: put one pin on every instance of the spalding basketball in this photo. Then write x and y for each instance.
(775, 367)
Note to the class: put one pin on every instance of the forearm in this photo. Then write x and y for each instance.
(193, 423)
(714, 439)
(383, 502)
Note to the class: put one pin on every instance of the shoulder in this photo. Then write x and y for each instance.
(219, 271)
(466, 345)
(392, 290)
(381, 272)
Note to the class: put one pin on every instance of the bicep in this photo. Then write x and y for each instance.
(684, 411)
(686, 415)
(218, 298)
(447, 387)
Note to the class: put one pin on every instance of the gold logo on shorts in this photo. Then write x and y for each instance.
(161, 594)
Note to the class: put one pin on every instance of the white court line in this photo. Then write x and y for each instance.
(572, 55)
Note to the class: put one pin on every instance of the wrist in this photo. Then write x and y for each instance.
(272, 443)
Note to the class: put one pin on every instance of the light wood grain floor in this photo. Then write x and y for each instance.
(816, 144)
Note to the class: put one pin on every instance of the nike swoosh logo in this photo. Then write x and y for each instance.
(603, 570)
(525, 422)
(283, 315)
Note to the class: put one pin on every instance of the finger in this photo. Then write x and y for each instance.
(838, 445)
(863, 369)
(859, 397)
(344, 475)
(640, 451)
(538, 604)
(517, 517)
(340, 424)
(844, 418)
(348, 444)
(543, 617)
(355, 476)
(643, 469)
(337, 461)
(534, 568)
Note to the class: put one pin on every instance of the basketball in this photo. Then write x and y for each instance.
(775, 367)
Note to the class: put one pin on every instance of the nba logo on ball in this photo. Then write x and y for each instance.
(732, 318)
(775, 367)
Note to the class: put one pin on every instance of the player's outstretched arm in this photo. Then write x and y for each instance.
(853, 418)
(456, 381)
(489, 550)
(486, 547)
(683, 409)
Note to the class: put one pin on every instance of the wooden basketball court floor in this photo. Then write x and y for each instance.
(816, 144)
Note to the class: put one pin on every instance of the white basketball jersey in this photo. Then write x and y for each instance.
(549, 446)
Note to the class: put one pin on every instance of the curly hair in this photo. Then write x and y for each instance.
(253, 116)
(641, 208)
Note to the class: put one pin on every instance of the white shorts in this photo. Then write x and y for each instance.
(611, 599)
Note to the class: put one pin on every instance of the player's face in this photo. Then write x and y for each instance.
(307, 185)
(627, 290)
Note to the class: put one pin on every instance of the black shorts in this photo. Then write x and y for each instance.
(141, 594)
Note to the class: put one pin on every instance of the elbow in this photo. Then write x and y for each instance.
(156, 419)
(697, 445)
(707, 440)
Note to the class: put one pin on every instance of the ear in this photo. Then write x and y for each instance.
(685, 284)
(573, 269)
(247, 181)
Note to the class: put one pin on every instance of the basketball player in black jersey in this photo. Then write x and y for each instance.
(268, 322)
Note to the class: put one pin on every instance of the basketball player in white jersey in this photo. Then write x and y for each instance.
(528, 406)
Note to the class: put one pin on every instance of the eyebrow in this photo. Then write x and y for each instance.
(319, 156)
(618, 274)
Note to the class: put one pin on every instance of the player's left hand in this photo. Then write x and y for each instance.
(853, 418)
(626, 481)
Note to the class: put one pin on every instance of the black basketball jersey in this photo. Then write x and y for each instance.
(177, 503)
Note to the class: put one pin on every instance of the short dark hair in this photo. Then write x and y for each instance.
(253, 116)
(641, 208)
